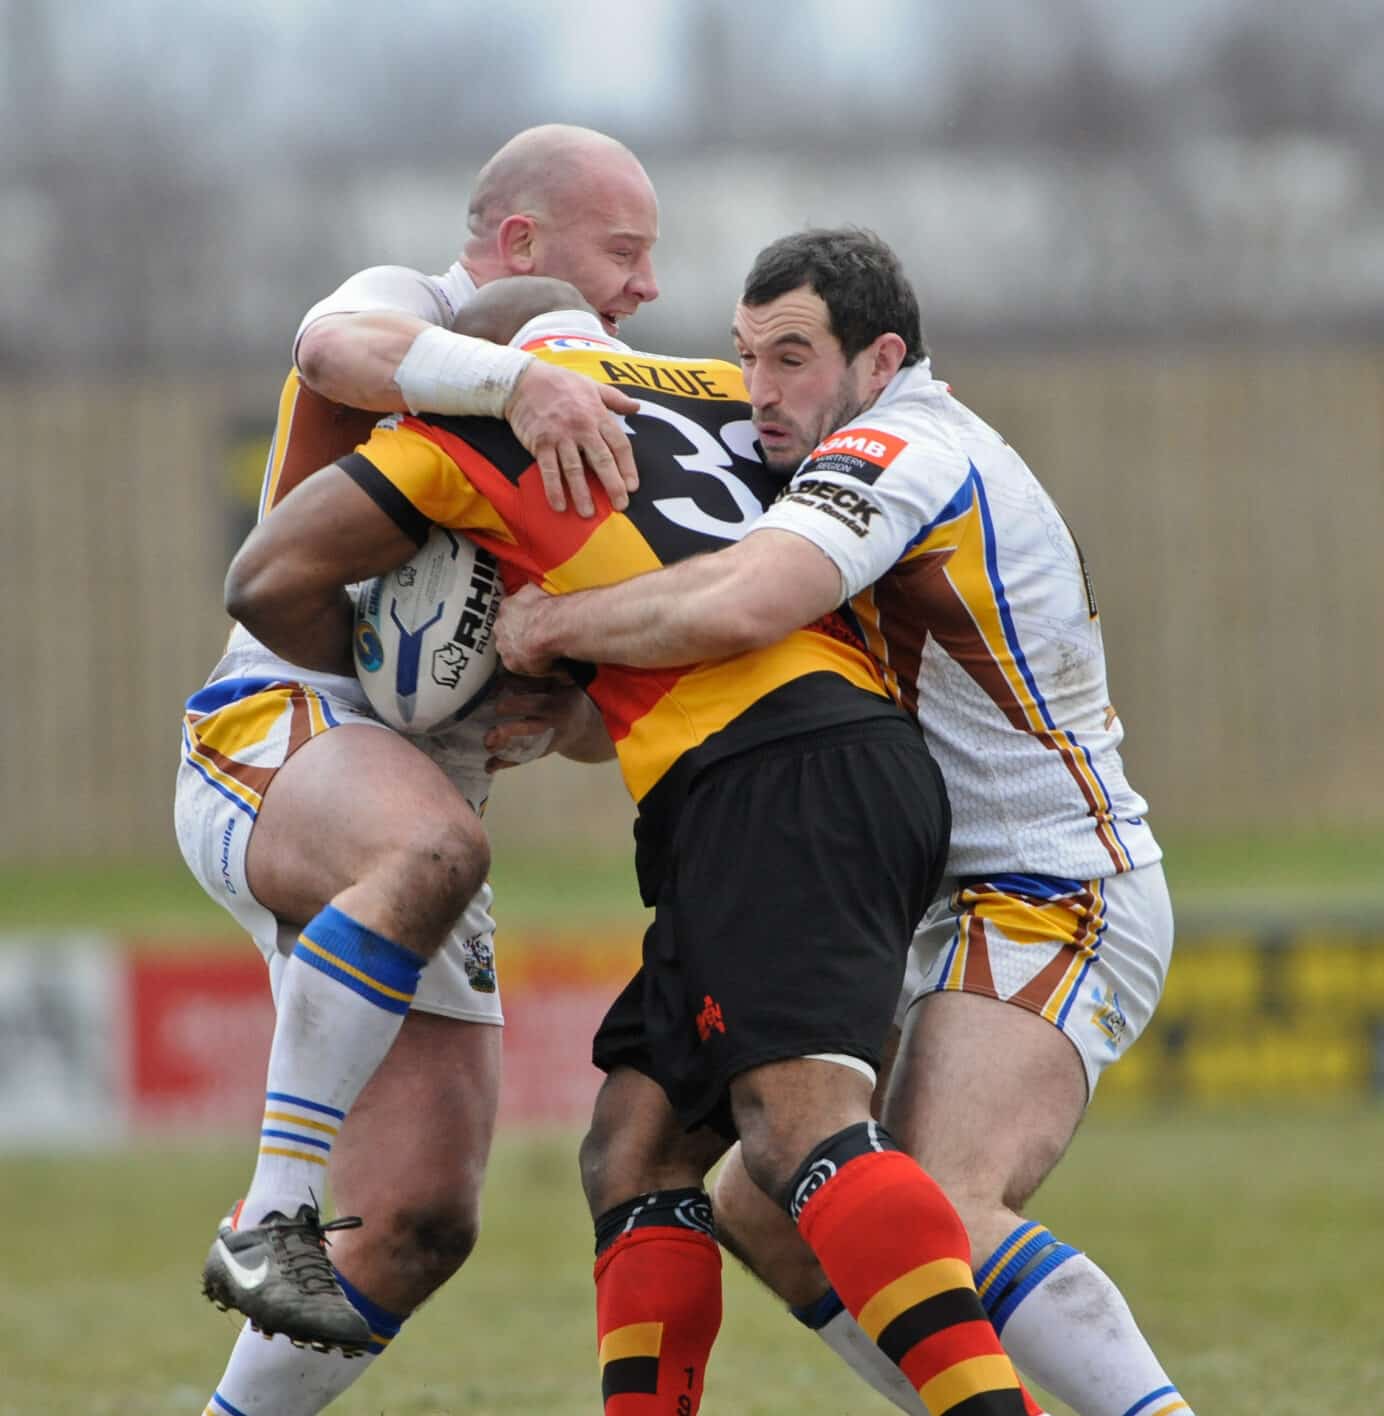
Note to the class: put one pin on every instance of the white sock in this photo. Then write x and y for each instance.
(1068, 1327)
(342, 1000)
(830, 1320)
(274, 1378)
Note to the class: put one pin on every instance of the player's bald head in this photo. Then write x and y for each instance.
(544, 170)
(499, 310)
(572, 203)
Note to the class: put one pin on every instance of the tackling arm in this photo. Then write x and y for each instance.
(393, 360)
(710, 607)
(352, 359)
(287, 583)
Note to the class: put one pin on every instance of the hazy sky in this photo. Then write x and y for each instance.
(263, 66)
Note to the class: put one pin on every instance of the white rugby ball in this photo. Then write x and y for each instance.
(425, 634)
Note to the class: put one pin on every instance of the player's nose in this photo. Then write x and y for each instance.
(643, 284)
(761, 387)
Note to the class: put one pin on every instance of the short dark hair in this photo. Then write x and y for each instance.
(858, 277)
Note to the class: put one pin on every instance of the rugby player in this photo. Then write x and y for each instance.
(791, 827)
(1046, 954)
(332, 839)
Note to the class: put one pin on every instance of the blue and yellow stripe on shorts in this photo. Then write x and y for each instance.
(1026, 910)
(233, 719)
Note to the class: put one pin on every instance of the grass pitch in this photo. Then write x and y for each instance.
(541, 889)
(1249, 1246)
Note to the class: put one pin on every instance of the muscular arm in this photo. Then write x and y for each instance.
(744, 597)
(287, 583)
(565, 420)
(352, 359)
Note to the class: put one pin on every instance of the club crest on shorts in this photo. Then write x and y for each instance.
(1109, 1016)
(478, 958)
(710, 1019)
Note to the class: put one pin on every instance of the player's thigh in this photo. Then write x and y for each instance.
(417, 1140)
(986, 1095)
(345, 801)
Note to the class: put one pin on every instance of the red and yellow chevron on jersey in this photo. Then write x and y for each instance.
(701, 487)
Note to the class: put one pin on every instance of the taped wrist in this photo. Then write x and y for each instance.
(454, 373)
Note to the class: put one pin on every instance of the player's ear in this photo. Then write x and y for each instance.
(517, 243)
(886, 356)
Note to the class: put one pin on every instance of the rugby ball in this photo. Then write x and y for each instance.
(425, 634)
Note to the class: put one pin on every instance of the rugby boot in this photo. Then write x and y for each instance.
(278, 1274)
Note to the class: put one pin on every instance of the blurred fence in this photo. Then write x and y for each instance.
(1230, 504)
(103, 1039)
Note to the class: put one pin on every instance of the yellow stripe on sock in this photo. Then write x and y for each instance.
(635, 1340)
(301, 1121)
(354, 972)
(997, 1266)
(965, 1379)
(1177, 1405)
(914, 1287)
(293, 1155)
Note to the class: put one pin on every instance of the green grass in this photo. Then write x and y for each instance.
(539, 890)
(1247, 1244)
(534, 891)
(1255, 873)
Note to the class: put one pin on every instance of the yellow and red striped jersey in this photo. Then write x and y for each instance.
(702, 486)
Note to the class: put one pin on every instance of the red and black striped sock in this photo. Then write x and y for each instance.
(658, 1303)
(897, 1254)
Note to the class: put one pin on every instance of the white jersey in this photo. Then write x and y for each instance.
(434, 298)
(968, 586)
(437, 299)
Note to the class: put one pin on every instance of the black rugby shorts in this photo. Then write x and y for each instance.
(797, 874)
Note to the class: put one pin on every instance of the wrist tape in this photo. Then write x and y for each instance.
(453, 373)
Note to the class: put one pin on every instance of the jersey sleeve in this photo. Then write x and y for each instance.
(867, 498)
(381, 288)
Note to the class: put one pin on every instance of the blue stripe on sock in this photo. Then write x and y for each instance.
(1151, 1398)
(1031, 1229)
(296, 1138)
(350, 982)
(225, 1405)
(351, 946)
(304, 1102)
(382, 1322)
(817, 1315)
(1004, 1309)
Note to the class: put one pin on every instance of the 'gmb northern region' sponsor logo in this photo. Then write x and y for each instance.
(868, 443)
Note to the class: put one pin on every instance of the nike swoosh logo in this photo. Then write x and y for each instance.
(246, 1277)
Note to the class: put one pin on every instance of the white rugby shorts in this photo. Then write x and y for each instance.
(236, 734)
(1089, 956)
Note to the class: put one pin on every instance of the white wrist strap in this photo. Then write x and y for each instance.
(453, 373)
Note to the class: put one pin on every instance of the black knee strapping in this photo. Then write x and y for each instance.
(864, 1138)
(688, 1208)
